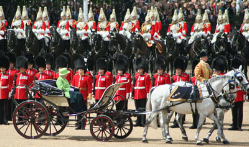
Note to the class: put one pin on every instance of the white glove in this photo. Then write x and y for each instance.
(147, 95)
(127, 95)
(155, 35)
(64, 32)
(79, 32)
(178, 34)
(88, 31)
(9, 95)
(1, 32)
(47, 31)
(169, 33)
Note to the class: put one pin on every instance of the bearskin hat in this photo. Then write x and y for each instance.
(180, 62)
(4, 62)
(237, 61)
(79, 63)
(124, 57)
(49, 59)
(68, 56)
(102, 63)
(40, 61)
(30, 58)
(160, 63)
(194, 63)
(12, 57)
(219, 63)
(21, 61)
(142, 63)
(61, 61)
(121, 64)
(203, 53)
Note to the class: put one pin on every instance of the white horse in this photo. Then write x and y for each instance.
(157, 100)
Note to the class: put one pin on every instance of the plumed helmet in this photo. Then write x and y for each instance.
(40, 62)
(21, 61)
(79, 63)
(102, 63)
(61, 61)
(30, 58)
(142, 63)
(121, 64)
(160, 63)
(4, 62)
(12, 57)
(219, 63)
(180, 62)
(237, 61)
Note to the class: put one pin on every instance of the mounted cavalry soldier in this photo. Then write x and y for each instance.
(158, 25)
(3, 24)
(183, 29)
(103, 27)
(148, 30)
(2, 17)
(18, 26)
(206, 25)
(71, 21)
(114, 26)
(173, 29)
(134, 19)
(244, 28)
(227, 26)
(127, 27)
(219, 27)
(25, 18)
(196, 28)
(63, 29)
(81, 29)
(91, 23)
(46, 28)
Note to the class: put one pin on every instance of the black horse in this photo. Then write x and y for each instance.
(32, 44)
(56, 46)
(73, 41)
(14, 44)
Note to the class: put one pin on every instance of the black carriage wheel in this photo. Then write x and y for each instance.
(102, 128)
(123, 127)
(31, 119)
(57, 123)
(122, 98)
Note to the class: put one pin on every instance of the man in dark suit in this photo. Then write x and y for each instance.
(143, 15)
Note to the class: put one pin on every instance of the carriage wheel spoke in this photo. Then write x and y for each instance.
(26, 129)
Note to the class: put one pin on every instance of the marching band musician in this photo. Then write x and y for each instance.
(81, 30)
(31, 71)
(202, 70)
(206, 24)
(124, 90)
(5, 89)
(219, 27)
(196, 29)
(148, 29)
(49, 64)
(103, 27)
(63, 29)
(158, 25)
(160, 78)
(244, 28)
(71, 21)
(101, 80)
(18, 26)
(173, 28)
(134, 19)
(114, 26)
(91, 23)
(127, 27)
(141, 83)
(25, 18)
(2, 17)
(46, 28)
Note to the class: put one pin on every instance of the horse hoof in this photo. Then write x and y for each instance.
(206, 140)
(199, 143)
(185, 138)
(170, 139)
(145, 141)
(169, 142)
(226, 142)
(218, 139)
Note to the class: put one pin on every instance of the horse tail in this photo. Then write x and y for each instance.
(149, 109)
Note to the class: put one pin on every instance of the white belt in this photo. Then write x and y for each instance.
(21, 87)
(3, 87)
(122, 89)
(139, 88)
(99, 87)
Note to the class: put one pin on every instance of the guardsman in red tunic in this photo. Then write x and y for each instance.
(25, 18)
(103, 26)
(108, 73)
(5, 88)
(101, 80)
(141, 88)
(92, 27)
(183, 28)
(134, 19)
(219, 27)
(173, 28)
(71, 21)
(148, 30)
(160, 78)
(38, 25)
(46, 28)
(206, 25)
(121, 77)
(219, 65)
(49, 64)
(31, 71)
(237, 109)
(196, 29)
(114, 26)
(158, 25)
(127, 27)
(62, 62)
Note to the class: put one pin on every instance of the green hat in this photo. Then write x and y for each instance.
(63, 71)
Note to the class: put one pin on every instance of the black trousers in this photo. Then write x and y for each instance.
(3, 111)
(19, 102)
(140, 105)
(10, 109)
(67, 45)
(86, 45)
(195, 119)
(237, 113)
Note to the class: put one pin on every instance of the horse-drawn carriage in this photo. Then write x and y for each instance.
(49, 114)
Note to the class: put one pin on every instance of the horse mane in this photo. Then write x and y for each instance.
(218, 77)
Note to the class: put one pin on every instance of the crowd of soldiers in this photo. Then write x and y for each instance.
(20, 70)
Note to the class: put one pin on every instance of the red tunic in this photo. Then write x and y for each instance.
(32, 73)
(142, 86)
(124, 89)
(51, 73)
(182, 77)
(107, 27)
(22, 78)
(227, 28)
(2, 28)
(12, 72)
(132, 28)
(240, 95)
(101, 84)
(183, 28)
(84, 83)
(5, 85)
(206, 28)
(161, 79)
